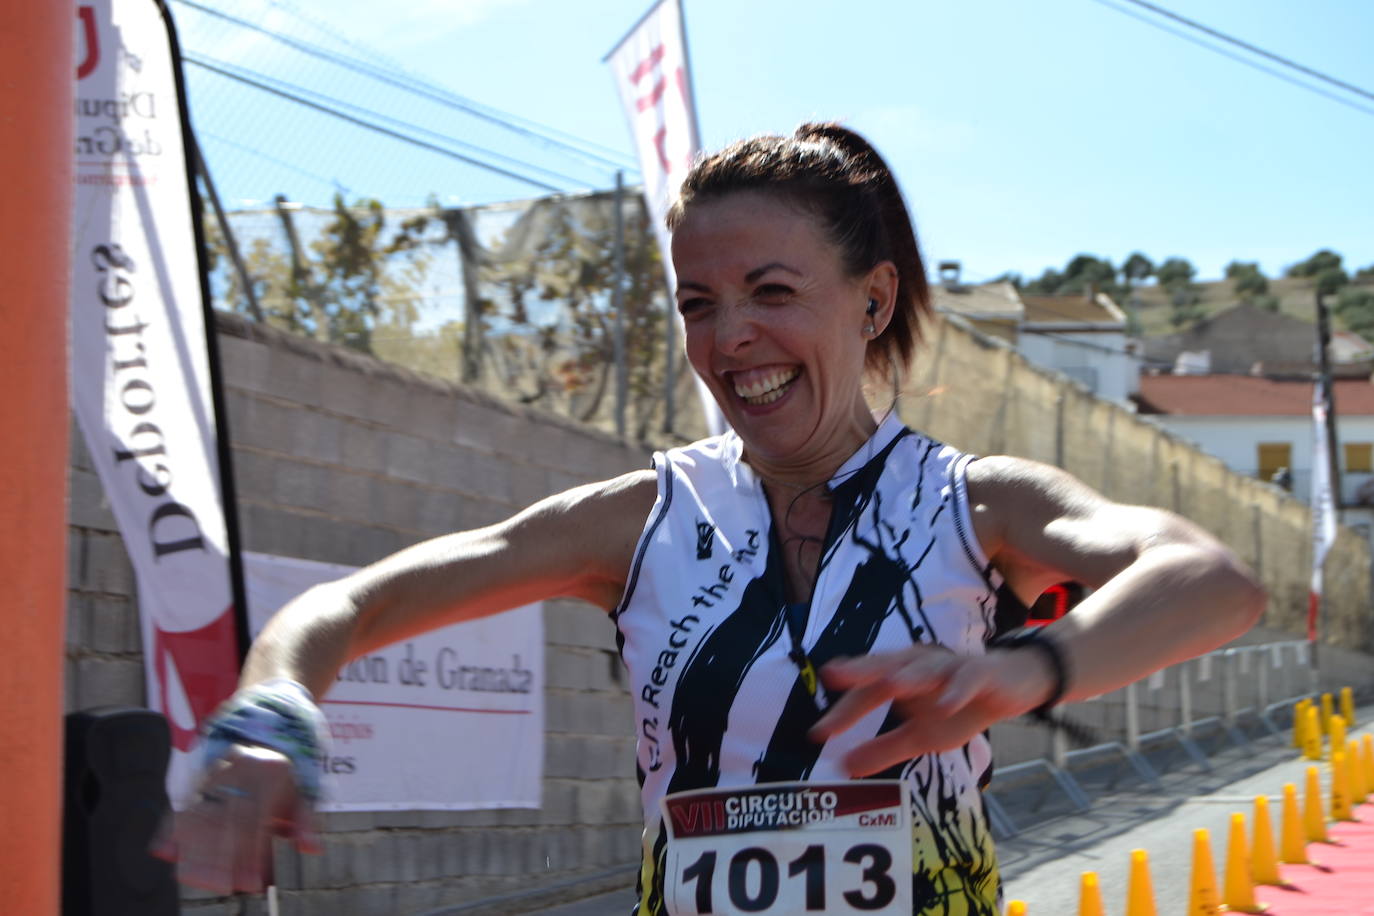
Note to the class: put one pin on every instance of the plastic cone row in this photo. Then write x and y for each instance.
(1248, 864)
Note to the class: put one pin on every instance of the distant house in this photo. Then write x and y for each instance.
(1249, 340)
(1083, 337)
(993, 308)
(1258, 426)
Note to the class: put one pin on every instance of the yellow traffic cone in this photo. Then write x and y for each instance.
(1312, 735)
(1264, 862)
(1140, 893)
(1354, 771)
(1335, 734)
(1089, 895)
(1326, 713)
(1016, 908)
(1299, 721)
(1348, 706)
(1202, 897)
(1240, 887)
(1292, 842)
(1368, 742)
(1340, 788)
(1313, 814)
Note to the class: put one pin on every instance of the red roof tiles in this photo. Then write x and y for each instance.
(1245, 395)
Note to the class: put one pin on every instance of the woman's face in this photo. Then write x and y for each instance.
(775, 326)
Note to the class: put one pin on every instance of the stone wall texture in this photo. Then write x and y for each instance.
(344, 459)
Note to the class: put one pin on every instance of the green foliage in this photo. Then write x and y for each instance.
(1365, 274)
(1137, 268)
(1082, 273)
(1175, 272)
(1320, 262)
(1247, 280)
(1267, 301)
(1331, 280)
(1355, 306)
(351, 280)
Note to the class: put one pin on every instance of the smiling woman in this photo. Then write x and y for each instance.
(807, 605)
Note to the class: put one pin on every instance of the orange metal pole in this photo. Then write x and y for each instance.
(36, 88)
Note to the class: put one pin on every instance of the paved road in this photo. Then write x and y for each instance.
(1042, 865)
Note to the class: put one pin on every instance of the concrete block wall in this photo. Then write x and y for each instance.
(344, 459)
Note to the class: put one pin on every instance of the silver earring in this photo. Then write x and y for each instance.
(869, 329)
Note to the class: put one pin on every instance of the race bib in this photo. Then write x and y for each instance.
(794, 847)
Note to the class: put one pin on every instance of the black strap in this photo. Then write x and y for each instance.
(1036, 638)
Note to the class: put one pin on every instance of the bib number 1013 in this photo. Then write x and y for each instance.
(754, 881)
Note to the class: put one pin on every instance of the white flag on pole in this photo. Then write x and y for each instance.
(140, 367)
(1323, 506)
(654, 82)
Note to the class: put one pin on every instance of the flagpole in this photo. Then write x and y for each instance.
(691, 82)
(638, 22)
(224, 453)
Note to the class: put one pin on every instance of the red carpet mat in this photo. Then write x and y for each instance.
(1340, 882)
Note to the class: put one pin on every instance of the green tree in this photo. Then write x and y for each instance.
(1355, 306)
(1248, 282)
(1137, 269)
(1320, 262)
(1175, 272)
(1365, 274)
(1331, 280)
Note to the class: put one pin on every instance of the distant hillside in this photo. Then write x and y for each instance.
(1295, 294)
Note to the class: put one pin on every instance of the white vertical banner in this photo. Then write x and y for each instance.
(1323, 507)
(140, 366)
(654, 82)
(452, 719)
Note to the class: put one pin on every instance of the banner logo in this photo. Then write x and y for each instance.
(91, 40)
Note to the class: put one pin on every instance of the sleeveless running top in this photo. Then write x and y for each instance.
(703, 629)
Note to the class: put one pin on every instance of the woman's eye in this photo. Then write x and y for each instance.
(772, 291)
(689, 307)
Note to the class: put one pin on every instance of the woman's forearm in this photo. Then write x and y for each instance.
(307, 641)
(1173, 603)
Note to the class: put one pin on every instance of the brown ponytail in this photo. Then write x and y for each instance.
(834, 174)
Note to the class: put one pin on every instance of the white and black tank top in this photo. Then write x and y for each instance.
(703, 628)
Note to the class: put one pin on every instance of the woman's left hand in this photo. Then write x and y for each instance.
(945, 699)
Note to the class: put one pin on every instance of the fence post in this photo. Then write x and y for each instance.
(1132, 718)
(1185, 698)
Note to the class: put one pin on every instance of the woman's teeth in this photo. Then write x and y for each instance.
(767, 389)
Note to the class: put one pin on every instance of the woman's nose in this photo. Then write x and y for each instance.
(734, 328)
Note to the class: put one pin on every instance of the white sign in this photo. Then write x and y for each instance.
(140, 367)
(783, 848)
(449, 720)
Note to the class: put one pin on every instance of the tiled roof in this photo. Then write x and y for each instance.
(987, 301)
(1246, 395)
(1072, 310)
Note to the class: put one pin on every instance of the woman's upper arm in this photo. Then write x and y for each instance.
(1040, 526)
(577, 544)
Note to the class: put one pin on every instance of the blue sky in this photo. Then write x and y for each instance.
(1022, 132)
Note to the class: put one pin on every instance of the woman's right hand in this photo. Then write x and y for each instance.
(223, 841)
